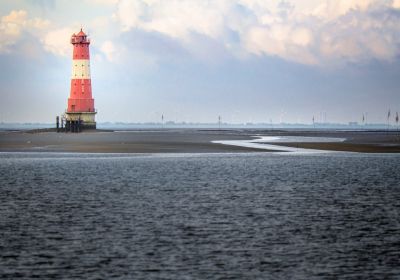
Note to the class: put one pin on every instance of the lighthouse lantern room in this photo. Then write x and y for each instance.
(80, 111)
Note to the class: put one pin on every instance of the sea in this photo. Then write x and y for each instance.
(199, 216)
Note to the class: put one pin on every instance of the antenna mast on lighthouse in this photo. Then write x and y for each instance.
(80, 112)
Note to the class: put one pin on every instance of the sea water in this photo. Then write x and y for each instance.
(208, 216)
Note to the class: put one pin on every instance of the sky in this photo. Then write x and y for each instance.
(194, 60)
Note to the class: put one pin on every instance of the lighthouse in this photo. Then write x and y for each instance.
(80, 112)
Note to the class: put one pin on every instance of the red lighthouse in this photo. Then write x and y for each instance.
(80, 102)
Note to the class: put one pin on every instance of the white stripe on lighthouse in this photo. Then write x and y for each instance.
(81, 69)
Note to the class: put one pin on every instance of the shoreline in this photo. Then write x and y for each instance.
(194, 141)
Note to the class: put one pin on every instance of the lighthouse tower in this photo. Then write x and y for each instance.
(80, 102)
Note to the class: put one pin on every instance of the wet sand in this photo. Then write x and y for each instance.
(187, 141)
(356, 141)
(136, 141)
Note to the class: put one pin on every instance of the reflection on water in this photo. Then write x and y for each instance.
(248, 216)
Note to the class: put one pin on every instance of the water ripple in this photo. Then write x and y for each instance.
(189, 217)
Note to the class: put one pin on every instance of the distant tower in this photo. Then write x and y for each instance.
(80, 101)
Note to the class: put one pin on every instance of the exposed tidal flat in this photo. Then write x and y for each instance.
(206, 212)
(198, 141)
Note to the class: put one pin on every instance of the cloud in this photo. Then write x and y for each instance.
(286, 41)
(13, 25)
(332, 31)
(58, 41)
(174, 18)
(359, 36)
(109, 50)
(335, 32)
(331, 9)
(102, 2)
(315, 32)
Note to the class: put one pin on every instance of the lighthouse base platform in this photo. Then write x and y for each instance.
(86, 119)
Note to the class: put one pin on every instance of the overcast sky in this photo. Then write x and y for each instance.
(192, 60)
